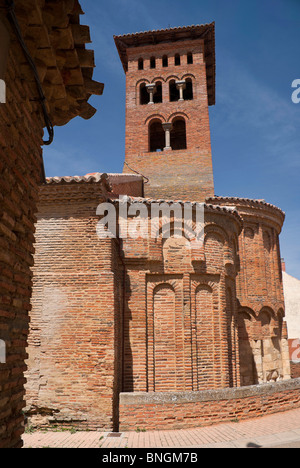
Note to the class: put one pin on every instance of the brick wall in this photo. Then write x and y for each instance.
(171, 342)
(160, 411)
(125, 315)
(264, 353)
(51, 32)
(75, 332)
(20, 174)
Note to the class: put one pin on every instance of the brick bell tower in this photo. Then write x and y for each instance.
(170, 82)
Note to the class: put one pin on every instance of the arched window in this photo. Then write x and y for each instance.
(190, 59)
(144, 95)
(177, 60)
(174, 92)
(165, 61)
(178, 134)
(157, 97)
(156, 136)
(188, 92)
(141, 64)
(152, 62)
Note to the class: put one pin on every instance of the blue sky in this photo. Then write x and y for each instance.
(255, 126)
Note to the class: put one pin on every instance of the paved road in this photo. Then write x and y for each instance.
(281, 430)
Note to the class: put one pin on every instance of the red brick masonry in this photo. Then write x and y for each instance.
(177, 410)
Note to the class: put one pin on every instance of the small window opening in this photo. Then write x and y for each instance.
(157, 97)
(156, 136)
(178, 134)
(144, 95)
(174, 92)
(152, 62)
(177, 59)
(188, 92)
(165, 61)
(190, 59)
(141, 64)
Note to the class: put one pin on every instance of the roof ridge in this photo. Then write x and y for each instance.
(245, 199)
(175, 28)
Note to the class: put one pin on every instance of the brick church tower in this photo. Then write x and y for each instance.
(170, 82)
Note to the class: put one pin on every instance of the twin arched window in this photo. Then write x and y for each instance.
(158, 139)
(148, 92)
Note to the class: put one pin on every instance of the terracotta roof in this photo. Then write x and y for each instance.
(245, 201)
(56, 42)
(200, 31)
(209, 207)
(95, 178)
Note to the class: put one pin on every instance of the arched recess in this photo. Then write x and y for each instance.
(214, 244)
(264, 319)
(177, 254)
(164, 338)
(204, 338)
(246, 334)
(271, 355)
(156, 135)
(178, 134)
(249, 270)
(268, 264)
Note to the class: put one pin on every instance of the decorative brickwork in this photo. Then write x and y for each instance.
(264, 351)
(152, 315)
(181, 167)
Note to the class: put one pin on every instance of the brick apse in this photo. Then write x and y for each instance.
(56, 54)
(157, 331)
